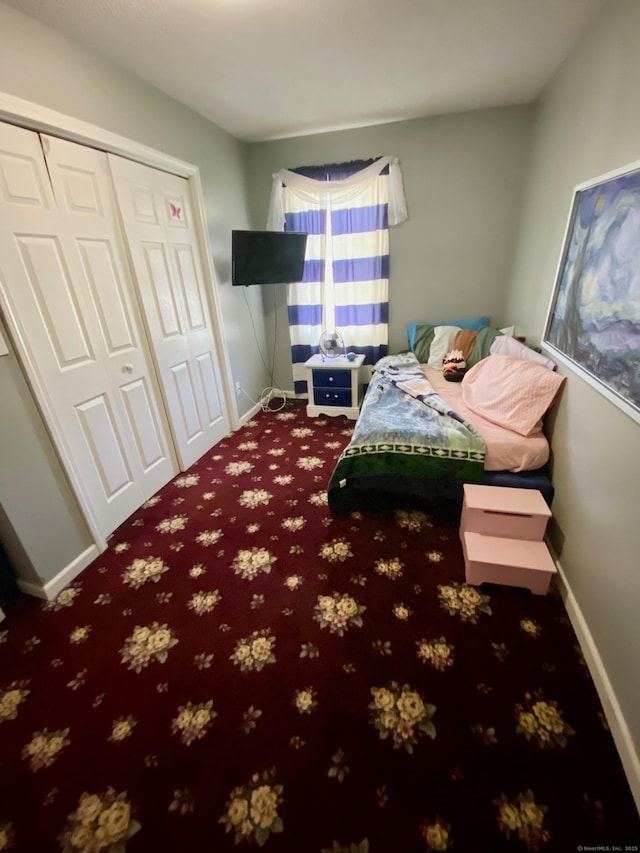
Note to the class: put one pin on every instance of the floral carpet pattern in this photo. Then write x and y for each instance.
(241, 669)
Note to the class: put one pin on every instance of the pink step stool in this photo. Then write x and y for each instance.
(501, 530)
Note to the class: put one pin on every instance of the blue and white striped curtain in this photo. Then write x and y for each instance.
(346, 212)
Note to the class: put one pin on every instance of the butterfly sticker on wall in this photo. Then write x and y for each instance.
(176, 212)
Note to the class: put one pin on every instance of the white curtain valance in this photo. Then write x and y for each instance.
(340, 192)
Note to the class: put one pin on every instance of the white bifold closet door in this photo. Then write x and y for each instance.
(158, 223)
(66, 283)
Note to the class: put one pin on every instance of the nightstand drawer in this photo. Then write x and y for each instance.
(331, 378)
(332, 397)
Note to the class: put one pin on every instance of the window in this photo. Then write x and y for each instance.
(346, 209)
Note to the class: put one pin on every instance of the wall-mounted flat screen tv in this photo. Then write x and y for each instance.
(267, 257)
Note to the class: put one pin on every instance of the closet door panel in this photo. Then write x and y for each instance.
(59, 325)
(102, 435)
(140, 408)
(207, 372)
(186, 266)
(53, 299)
(108, 294)
(22, 184)
(82, 183)
(189, 420)
(159, 298)
(199, 336)
(156, 213)
(78, 184)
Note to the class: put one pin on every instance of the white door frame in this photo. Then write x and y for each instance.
(43, 120)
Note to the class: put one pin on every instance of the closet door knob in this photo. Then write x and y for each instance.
(127, 368)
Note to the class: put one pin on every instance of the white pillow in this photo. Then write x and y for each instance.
(440, 346)
(505, 345)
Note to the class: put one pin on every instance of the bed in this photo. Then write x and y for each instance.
(419, 437)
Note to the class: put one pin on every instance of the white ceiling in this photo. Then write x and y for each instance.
(268, 69)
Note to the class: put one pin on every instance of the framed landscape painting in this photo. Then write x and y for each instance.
(593, 322)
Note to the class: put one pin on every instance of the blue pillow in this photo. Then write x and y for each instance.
(472, 323)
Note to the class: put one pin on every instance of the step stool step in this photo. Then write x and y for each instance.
(512, 562)
(503, 511)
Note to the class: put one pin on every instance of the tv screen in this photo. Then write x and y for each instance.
(267, 257)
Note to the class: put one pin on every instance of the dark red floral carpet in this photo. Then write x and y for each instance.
(243, 668)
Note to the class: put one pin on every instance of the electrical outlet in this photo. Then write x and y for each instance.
(238, 388)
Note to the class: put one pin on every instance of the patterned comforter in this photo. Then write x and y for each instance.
(406, 441)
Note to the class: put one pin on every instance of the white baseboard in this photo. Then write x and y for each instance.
(253, 411)
(49, 590)
(612, 711)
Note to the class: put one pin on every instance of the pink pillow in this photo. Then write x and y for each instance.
(506, 345)
(510, 392)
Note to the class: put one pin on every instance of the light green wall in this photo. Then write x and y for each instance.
(463, 178)
(589, 124)
(40, 523)
(38, 65)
